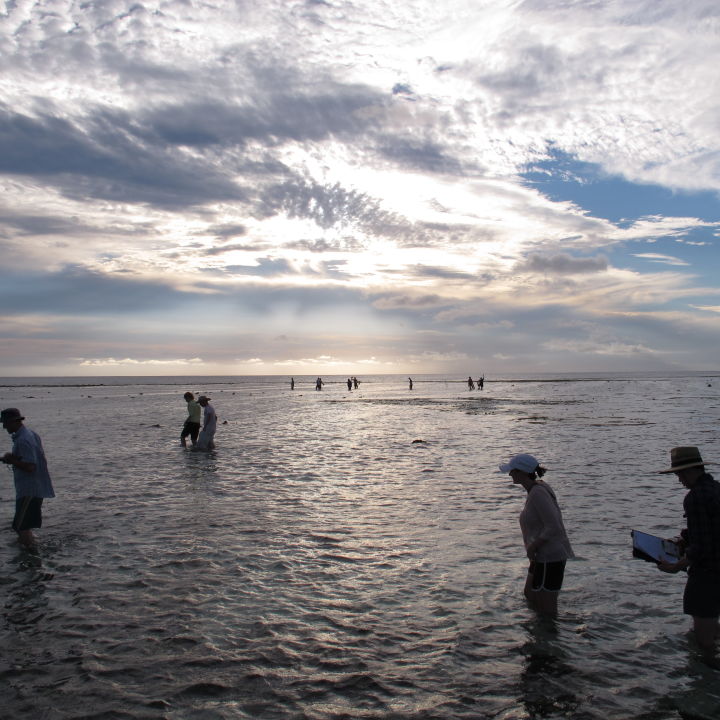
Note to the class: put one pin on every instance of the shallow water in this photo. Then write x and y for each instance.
(320, 564)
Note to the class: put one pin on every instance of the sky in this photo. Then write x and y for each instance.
(359, 186)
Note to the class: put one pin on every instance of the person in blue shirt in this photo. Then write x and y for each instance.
(30, 472)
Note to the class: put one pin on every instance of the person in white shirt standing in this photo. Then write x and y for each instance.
(207, 434)
(30, 472)
(546, 541)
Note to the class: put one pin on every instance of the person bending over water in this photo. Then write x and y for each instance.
(546, 541)
(30, 472)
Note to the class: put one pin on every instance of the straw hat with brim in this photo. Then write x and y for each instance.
(10, 414)
(682, 458)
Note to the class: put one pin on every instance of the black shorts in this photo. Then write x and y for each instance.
(192, 429)
(547, 576)
(702, 594)
(28, 513)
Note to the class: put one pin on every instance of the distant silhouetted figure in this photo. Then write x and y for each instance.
(355, 382)
(292, 383)
(319, 383)
(349, 384)
(410, 383)
(471, 384)
(481, 382)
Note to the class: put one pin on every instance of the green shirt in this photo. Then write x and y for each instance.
(194, 411)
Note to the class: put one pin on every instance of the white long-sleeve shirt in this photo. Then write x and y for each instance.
(541, 519)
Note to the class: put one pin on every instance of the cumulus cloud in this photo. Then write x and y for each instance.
(662, 259)
(115, 362)
(228, 231)
(105, 159)
(590, 347)
(232, 247)
(84, 292)
(415, 166)
(266, 267)
(401, 301)
(562, 264)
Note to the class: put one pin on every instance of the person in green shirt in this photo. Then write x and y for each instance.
(192, 424)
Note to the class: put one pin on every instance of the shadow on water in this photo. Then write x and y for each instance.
(700, 699)
(546, 680)
(25, 599)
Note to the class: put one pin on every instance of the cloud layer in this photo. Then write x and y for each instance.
(302, 186)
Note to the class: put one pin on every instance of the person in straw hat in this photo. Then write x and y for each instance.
(700, 545)
(30, 473)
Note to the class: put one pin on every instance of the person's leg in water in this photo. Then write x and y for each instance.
(542, 586)
(706, 634)
(27, 515)
(26, 538)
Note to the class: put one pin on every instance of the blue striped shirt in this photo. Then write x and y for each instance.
(28, 447)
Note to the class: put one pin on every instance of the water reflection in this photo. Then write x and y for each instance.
(25, 591)
(700, 699)
(546, 681)
(319, 561)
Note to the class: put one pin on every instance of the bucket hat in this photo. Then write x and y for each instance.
(10, 414)
(682, 458)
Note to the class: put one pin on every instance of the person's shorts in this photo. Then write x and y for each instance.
(190, 428)
(547, 575)
(702, 594)
(28, 513)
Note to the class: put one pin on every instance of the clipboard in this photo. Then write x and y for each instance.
(654, 549)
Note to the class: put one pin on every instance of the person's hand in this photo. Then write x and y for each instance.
(7, 458)
(681, 543)
(670, 567)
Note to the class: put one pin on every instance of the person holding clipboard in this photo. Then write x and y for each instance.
(699, 546)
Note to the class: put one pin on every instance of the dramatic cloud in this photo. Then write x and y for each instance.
(663, 259)
(562, 264)
(295, 185)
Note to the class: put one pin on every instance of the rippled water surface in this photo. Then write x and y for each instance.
(321, 564)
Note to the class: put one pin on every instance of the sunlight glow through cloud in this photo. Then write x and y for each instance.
(287, 185)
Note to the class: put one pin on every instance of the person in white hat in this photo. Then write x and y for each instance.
(546, 541)
(701, 546)
(206, 439)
